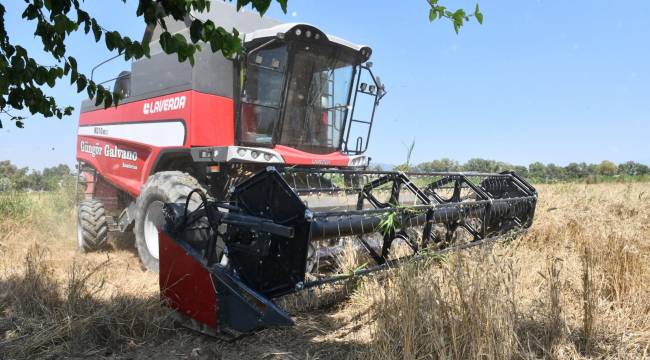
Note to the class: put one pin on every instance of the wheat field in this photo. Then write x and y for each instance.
(574, 287)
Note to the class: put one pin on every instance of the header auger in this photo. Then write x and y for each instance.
(243, 179)
(279, 225)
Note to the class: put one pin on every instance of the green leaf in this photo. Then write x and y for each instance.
(116, 98)
(108, 100)
(433, 14)
(167, 43)
(59, 23)
(195, 30)
(180, 39)
(146, 50)
(97, 30)
(261, 5)
(73, 62)
(40, 76)
(479, 15)
(51, 79)
(81, 83)
(113, 40)
(242, 3)
(91, 90)
(74, 75)
(283, 5)
(99, 96)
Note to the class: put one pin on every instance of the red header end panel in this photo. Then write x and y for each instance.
(186, 286)
(123, 143)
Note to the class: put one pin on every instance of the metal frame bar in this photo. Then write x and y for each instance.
(453, 212)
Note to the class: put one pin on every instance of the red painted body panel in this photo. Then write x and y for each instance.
(185, 284)
(212, 121)
(126, 175)
(297, 157)
(208, 120)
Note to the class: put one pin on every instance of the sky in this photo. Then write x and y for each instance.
(540, 80)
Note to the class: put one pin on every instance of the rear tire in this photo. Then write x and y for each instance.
(165, 187)
(92, 226)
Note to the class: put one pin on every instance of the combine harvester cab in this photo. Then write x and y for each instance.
(280, 224)
(243, 179)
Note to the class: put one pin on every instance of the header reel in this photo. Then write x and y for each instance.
(279, 225)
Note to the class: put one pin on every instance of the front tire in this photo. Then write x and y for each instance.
(162, 187)
(92, 226)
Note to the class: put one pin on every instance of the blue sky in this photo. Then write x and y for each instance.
(540, 80)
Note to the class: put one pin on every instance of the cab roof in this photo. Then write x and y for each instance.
(291, 27)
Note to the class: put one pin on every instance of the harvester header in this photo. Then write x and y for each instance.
(283, 224)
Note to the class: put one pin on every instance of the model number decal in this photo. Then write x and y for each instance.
(108, 151)
(169, 104)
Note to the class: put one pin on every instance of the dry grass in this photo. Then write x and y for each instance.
(461, 309)
(574, 287)
(57, 303)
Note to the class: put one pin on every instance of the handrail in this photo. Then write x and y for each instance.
(92, 72)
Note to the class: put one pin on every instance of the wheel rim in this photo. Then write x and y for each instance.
(312, 258)
(151, 231)
(80, 235)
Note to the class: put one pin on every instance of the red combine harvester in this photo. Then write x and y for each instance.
(244, 178)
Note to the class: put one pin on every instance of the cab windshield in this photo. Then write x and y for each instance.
(316, 100)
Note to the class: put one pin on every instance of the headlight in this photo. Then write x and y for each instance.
(358, 161)
(259, 155)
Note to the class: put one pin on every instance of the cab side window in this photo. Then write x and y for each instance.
(262, 94)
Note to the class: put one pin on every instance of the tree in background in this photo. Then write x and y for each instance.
(632, 168)
(22, 78)
(443, 164)
(555, 172)
(607, 168)
(15, 178)
(52, 178)
(521, 170)
(537, 170)
(576, 170)
(483, 165)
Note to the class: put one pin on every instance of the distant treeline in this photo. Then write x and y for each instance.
(538, 172)
(13, 178)
(20, 179)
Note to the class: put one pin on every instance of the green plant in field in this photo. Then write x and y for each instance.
(434, 256)
(358, 268)
(16, 205)
(391, 221)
